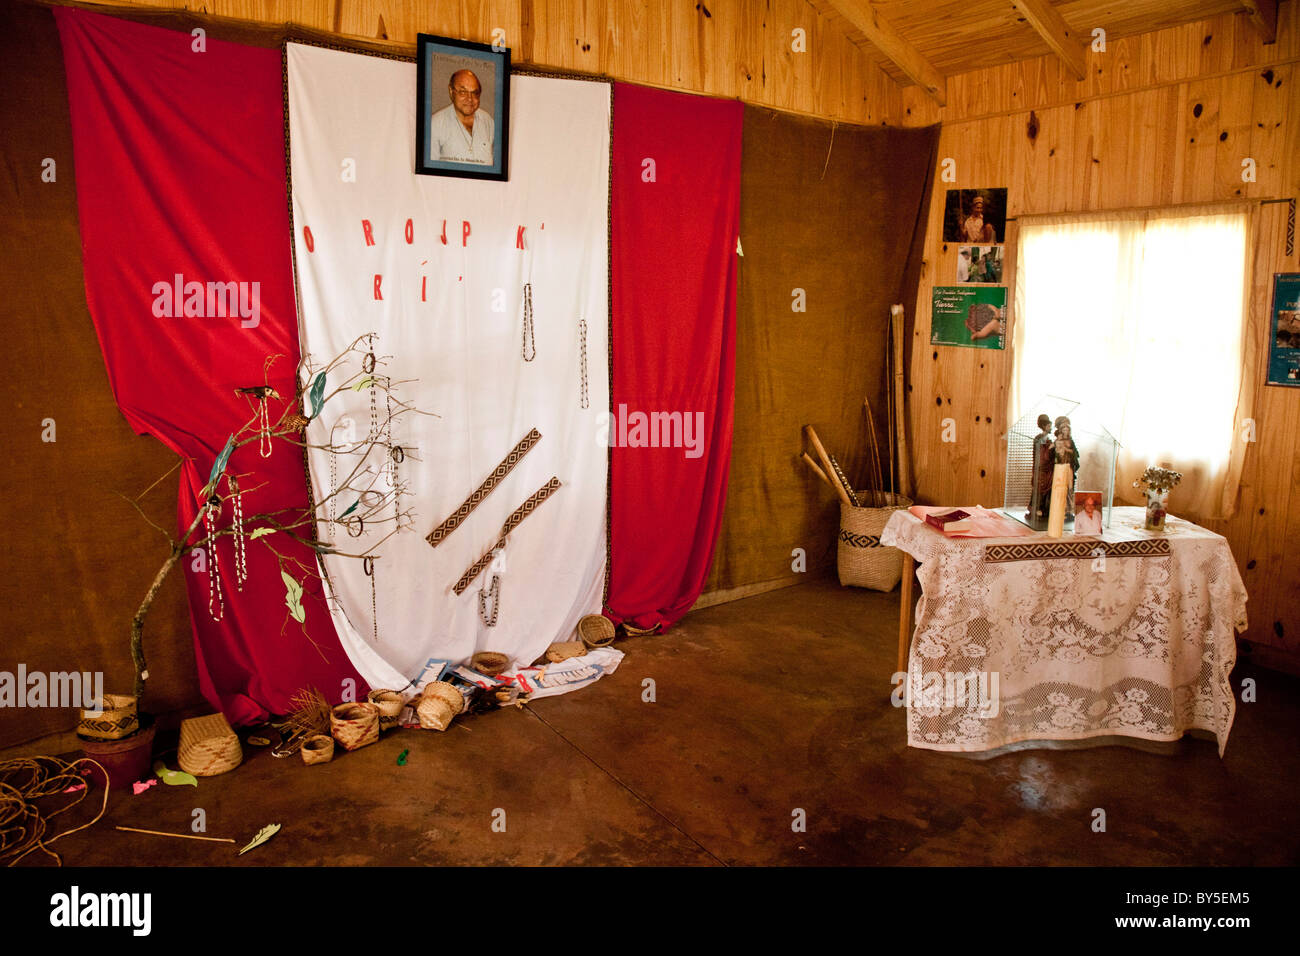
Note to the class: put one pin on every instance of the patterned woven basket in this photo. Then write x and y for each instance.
(118, 719)
(355, 725)
(208, 746)
(390, 707)
(318, 748)
(596, 630)
(863, 561)
(447, 693)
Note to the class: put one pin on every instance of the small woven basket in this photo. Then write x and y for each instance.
(447, 693)
(596, 630)
(318, 748)
(117, 719)
(489, 663)
(208, 746)
(563, 650)
(355, 725)
(434, 713)
(863, 561)
(390, 707)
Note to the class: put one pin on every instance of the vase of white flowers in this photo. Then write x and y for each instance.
(1156, 482)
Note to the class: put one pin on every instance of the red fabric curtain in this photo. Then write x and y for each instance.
(180, 172)
(675, 218)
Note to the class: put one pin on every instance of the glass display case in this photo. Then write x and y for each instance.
(1031, 457)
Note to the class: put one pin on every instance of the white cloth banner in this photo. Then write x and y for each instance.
(433, 266)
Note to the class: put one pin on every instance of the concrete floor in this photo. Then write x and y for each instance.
(762, 706)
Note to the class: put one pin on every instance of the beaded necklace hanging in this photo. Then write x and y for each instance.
(368, 566)
(237, 528)
(530, 343)
(493, 594)
(583, 401)
(210, 512)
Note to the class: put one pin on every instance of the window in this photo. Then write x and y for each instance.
(1138, 315)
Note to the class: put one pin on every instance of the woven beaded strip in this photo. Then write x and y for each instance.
(436, 536)
(516, 518)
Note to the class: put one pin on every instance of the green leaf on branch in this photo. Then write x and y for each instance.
(350, 510)
(316, 395)
(293, 597)
(219, 465)
(260, 532)
(368, 380)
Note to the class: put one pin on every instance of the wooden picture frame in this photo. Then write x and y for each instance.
(458, 81)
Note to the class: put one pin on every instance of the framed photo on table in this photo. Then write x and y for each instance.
(462, 109)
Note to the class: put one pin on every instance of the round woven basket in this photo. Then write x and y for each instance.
(355, 725)
(116, 720)
(863, 561)
(596, 630)
(390, 706)
(317, 749)
(489, 663)
(563, 650)
(434, 713)
(447, 693)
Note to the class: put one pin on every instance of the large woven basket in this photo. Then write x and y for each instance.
(355, 725)
(208, 746)
(116, 719)
(863, 562)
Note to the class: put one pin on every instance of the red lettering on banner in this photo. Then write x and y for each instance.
(307, 238)
(444, 232)
(366, 228)
(464, 232)
(378, 293)
(519, 238)
(424, 281)
(410, 232)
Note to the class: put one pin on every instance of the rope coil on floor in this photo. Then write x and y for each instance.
(24, 780)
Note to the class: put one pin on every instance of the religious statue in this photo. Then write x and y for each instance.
(1042, 473)
(1066, 453)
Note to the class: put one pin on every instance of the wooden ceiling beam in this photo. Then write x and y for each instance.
(1263, 13)
(1050, 25)
(882, 35)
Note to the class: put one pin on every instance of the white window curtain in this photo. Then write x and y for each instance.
(1139, 317)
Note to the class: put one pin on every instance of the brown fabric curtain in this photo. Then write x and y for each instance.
(837, 212)
(77, 558)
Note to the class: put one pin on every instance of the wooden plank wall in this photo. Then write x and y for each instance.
(1162, 118)
(729, 48)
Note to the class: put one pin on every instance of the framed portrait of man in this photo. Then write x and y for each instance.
(462, 102)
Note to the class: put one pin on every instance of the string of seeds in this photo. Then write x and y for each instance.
(582, 349)
(530, 342)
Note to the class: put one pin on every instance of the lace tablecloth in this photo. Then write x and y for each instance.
(1073, 639)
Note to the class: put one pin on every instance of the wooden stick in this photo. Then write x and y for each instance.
(817, 468)
(896, 323)
(875, 456)
(826, 462)
(889, 404)
(181, 836)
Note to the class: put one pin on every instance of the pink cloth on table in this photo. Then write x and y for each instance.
(984, 523)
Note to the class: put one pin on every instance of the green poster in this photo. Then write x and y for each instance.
(975, 317)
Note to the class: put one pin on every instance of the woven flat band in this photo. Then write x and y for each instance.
(516, 518)
(436, 536)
